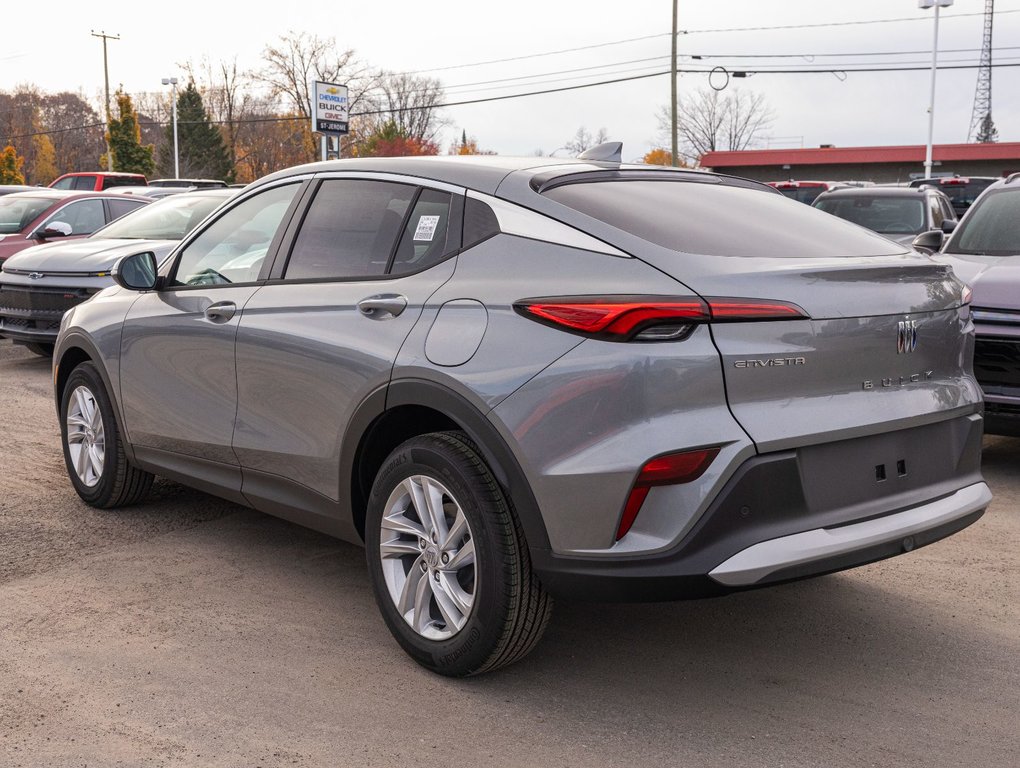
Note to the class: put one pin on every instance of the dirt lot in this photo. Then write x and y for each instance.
(193, 632)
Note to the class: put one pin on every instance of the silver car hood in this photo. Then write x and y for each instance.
(83, 256)
(994, 279)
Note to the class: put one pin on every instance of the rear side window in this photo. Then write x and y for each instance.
(992, 227)
(719, 220)
(119, 207)
(122, 181)
(350, 229)
(427, 233)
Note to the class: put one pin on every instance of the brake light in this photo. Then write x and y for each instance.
(672, 469)
(648, 318)
(954, 182)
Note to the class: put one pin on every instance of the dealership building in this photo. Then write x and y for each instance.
(878, 164)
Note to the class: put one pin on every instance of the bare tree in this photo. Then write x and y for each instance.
(710, 121)
(584, 140)
(412, 103)
(298, 59)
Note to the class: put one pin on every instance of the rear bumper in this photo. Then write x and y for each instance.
(803, 553)
(794, 514)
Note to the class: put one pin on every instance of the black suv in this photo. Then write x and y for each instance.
(962, 191)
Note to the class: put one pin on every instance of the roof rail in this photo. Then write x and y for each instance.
(1012, 177)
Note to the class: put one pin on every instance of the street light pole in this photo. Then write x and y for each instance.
(934, 67)
(106, 78)
(172, 81)
(672, 97)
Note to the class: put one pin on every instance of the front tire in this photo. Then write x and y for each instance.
(93, 449)
(448, 561)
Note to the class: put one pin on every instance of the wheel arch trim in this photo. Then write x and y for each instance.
(494, 449)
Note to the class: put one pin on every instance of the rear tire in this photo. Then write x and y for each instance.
(453, 581)
(93, 449)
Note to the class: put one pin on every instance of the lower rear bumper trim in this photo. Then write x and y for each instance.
(758, 562)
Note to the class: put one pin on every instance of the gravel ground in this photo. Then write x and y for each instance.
(193, 632)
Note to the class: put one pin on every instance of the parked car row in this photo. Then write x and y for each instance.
(519, 378)
(42, 282)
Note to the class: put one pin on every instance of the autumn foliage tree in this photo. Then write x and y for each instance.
(10, 166)
(660, 156)
(468, 146)
(389, 141)
(125, 139)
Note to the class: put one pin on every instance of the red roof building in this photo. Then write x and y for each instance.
(879, 164)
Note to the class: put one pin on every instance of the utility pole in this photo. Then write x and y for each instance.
(106, 78)
(672, 95)
(936, 4)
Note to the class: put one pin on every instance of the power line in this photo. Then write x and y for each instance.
(691, 32)
(613, 81)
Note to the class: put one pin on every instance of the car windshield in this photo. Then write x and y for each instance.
(16, 213)
(168, 219)
(991, 228)
(888, 215)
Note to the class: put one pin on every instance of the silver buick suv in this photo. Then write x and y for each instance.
(513, 379)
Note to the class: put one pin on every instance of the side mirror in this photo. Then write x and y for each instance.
(948, 225)
(54, 229)
(136, 272)
(929, 241)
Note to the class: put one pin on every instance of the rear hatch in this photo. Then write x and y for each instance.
(883, 341)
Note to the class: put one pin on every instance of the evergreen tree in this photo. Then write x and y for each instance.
(201, 151)
(125, 138)
(987, 132)
(10, 166)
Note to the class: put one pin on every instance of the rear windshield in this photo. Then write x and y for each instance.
(719, 220)
(16, 213)
(888, 215)
(802, 194)
(964, 195)
(992, 227)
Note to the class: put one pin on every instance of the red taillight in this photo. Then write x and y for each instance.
(672, 469)
(648, 318)
(954, 182)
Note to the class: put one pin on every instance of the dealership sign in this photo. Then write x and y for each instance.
(329, 108)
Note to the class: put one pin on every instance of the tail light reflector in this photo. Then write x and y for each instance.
(671, 469)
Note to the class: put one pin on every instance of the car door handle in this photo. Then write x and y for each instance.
(221, 311)
(382, 306)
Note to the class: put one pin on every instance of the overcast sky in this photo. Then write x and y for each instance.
(51, 47)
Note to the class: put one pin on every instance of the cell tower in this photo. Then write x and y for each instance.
(983, 93)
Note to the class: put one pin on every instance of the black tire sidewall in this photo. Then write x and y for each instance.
(99, 494)
(472, 646)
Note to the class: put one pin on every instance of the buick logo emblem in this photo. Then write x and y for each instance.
(906, 336)
(35, 275)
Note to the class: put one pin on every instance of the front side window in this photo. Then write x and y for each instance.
(84, 217)
(67, 183)
(233, 248)
(84, 183)
(349, 230)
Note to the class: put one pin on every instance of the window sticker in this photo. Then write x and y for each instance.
(426, 229)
